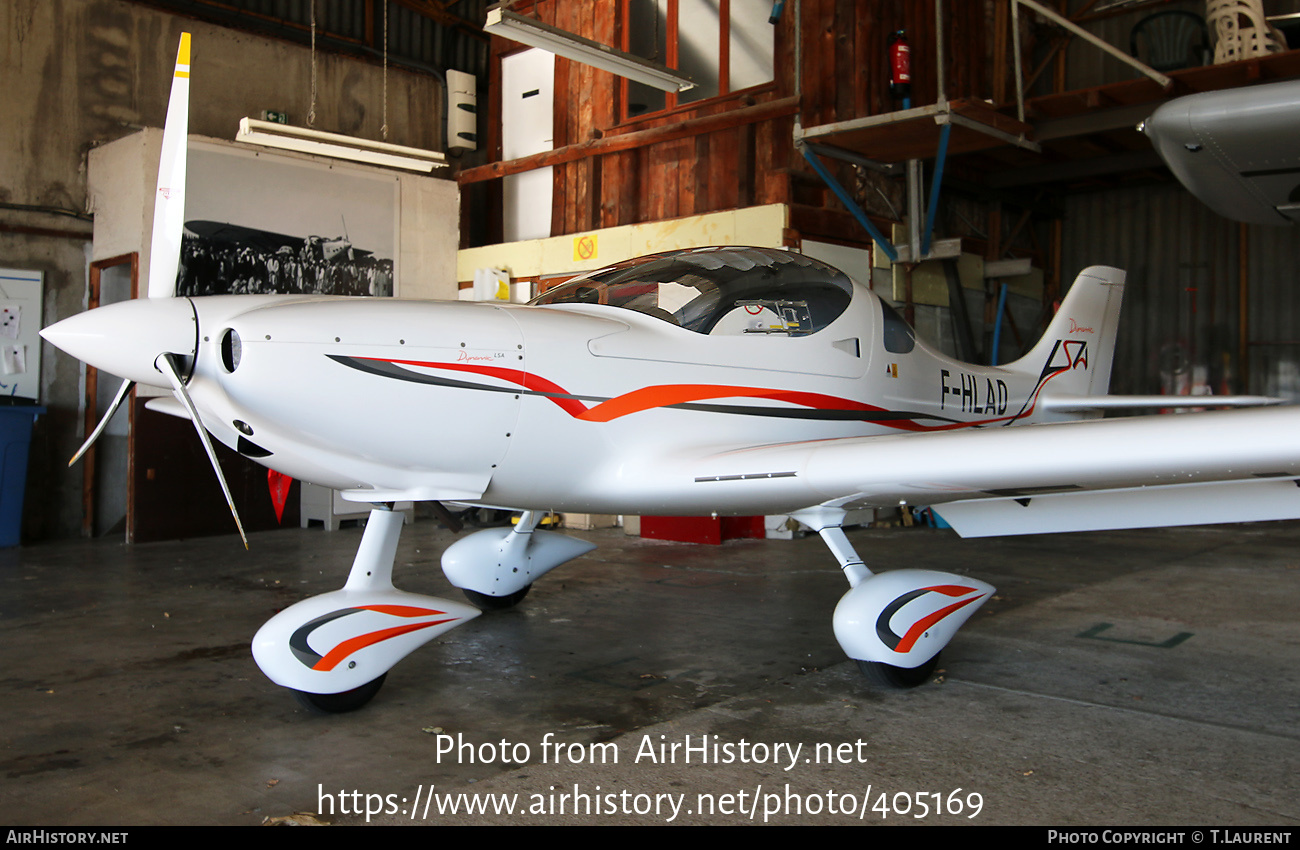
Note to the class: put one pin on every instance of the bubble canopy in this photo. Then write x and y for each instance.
(718, 290)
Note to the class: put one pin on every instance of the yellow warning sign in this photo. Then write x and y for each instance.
(584, 247)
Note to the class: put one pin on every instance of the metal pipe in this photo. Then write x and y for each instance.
(938, 48)
(914, 210)
(935, 182)
(1243, 305)
(798, 66)
(997, 326)
(848, 201)
(833, 152)
(1082, 33)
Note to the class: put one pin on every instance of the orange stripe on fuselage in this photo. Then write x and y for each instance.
(650, 398)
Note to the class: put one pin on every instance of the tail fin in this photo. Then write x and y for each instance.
(169, 200)
(1078, 348)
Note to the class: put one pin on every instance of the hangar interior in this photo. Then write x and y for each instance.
(1144, 677)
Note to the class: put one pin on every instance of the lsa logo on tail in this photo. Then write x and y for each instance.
(1067, 354)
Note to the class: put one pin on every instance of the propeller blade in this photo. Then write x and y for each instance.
(168, 367)
(122, 392)
(169, 200)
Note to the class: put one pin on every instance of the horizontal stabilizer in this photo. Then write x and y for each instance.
(1144, 507)
(1077, 403)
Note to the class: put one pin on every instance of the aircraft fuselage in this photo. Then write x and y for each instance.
(573, 407)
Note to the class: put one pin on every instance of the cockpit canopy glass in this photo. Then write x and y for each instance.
(720, 291)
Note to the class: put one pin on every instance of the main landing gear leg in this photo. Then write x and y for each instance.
(335, 649)
(512, 547)
(893, 624)
(495, 567)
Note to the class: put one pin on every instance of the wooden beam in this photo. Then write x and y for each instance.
(1058, 78)
(54, 233)
(639, 138)
(1001, 24)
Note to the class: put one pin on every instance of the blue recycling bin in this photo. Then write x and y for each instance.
(16, 422)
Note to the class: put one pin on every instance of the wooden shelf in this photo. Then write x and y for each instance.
(914, 133)
(1069, 136)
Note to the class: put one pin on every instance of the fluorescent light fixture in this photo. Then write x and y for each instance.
(534, 33)
(269, 134)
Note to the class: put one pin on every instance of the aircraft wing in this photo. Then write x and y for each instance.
(1130, 472)
(221, 232)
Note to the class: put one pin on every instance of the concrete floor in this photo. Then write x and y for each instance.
(1146, 677)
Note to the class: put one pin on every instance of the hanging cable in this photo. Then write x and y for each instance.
(311, 112)
(383, 130)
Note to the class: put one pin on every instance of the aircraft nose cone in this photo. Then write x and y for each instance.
(125, 338)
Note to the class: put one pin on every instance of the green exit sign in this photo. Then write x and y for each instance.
(275, 117)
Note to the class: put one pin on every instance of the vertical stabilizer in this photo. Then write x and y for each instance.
(1076, 352)
(169, 200)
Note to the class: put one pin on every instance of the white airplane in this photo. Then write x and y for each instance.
(719, 380)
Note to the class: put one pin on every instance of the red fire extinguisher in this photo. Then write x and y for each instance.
(900, 66)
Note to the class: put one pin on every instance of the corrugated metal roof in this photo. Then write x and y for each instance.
(421, 42)
(1181, 307)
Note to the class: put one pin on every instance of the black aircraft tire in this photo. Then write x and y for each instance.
(339, 703)
(496, 603)
(889, 676)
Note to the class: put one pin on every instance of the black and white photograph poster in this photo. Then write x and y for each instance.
(258, 223)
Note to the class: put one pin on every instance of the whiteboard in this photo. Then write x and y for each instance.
(21, 291)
